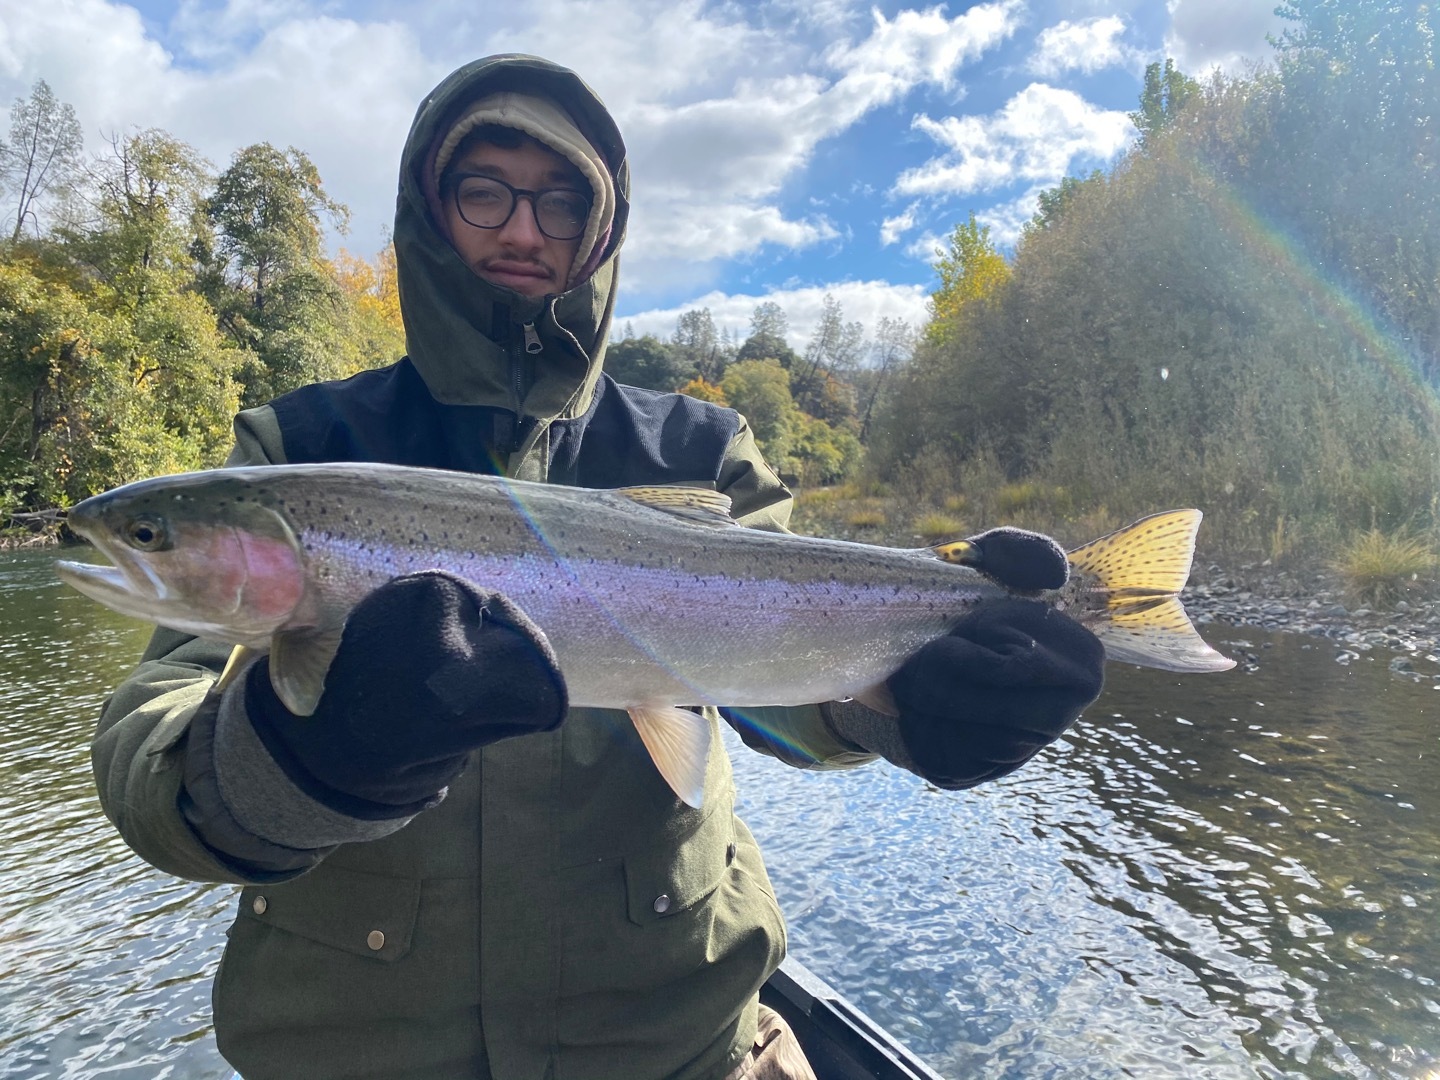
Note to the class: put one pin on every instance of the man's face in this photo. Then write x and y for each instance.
(516, 255)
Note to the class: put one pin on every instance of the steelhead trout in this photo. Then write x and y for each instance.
(653, 598)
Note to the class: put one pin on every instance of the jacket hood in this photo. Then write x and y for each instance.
(477, 343)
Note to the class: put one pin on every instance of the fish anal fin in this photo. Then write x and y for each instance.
(679, 744)
(879, 698)
(699, 505)
(299, 660)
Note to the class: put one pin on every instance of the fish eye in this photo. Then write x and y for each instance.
(147, 534)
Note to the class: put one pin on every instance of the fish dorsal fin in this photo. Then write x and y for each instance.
(699, 505)
(679, 744)
(299, 660)
(1149, 558)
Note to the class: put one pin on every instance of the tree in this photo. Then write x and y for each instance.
(274, 294)
(147, 195)
(760, 390)
(697, 343)
(835, 349)
(1167, 92)
(74, 418)
(43, 155)
(1051, 203)
(646, 361)
(894, 342)
(376, 326)
(769, 328)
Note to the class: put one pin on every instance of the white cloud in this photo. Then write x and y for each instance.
(863, 301)
(1086, 46)
(340, 90)
(731, 153)
(1225, 34)
(1007, 220)
(1036, 137)
(922, 46)
(926, 247)
(892, 228)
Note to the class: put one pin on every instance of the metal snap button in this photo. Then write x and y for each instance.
(662, 904)
(730, 853)
(375, 939)
(259, 904)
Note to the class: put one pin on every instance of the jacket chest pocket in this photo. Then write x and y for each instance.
(665, 883)
(365, 915)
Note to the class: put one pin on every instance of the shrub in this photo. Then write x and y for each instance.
(1378, 569)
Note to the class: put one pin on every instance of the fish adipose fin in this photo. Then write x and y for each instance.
(299, 660)
(1137, 574)
(699, 505)
(679, 744)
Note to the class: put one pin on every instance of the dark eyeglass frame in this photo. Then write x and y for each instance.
(454, 181)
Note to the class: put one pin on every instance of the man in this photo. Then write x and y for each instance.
(446, 871)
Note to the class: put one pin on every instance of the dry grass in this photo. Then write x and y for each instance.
(1379, 569)
(937, 526)
(865, 518)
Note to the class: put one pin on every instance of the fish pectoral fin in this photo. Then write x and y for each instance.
(240, 656)
(879, 698)
(299, 660)
(698, 505)
(679, 744)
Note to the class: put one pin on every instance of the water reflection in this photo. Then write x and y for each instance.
(1220, 876)
(104, 963)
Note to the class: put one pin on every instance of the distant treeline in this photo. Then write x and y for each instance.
(145, 298)
(1243, 314)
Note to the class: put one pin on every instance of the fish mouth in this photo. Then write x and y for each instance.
(116, 586)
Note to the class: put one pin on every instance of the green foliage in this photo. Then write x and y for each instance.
(769, 329)
(971, 270)
(698, 346)
(1379, 568)
(798, 445)
(649, 362)
(77, 416)
(760, 391)
(1240, 316)
(265, 276)
(1166, 94)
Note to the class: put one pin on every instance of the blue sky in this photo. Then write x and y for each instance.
(780, 150)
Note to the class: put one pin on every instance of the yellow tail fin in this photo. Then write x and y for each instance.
(1136, 574)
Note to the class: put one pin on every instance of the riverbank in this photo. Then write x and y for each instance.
(1284, 599)
(1312, 603)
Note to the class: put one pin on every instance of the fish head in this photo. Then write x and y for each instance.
(201, 553)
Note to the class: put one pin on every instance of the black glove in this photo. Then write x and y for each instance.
(981, 701)
(429, 668)
(1016, 558)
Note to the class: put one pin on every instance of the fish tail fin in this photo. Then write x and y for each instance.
(1131, 580)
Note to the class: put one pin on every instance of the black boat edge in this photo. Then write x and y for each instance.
(841, 1042)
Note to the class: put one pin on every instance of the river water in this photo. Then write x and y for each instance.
(1224, 875)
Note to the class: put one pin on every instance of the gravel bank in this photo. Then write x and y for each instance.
(1300, 603)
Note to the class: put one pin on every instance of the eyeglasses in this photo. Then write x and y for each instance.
(488, 203)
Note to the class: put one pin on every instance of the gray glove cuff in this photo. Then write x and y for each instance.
(261, 798)
(867, 731)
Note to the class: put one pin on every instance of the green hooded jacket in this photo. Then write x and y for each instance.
(559, 914)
